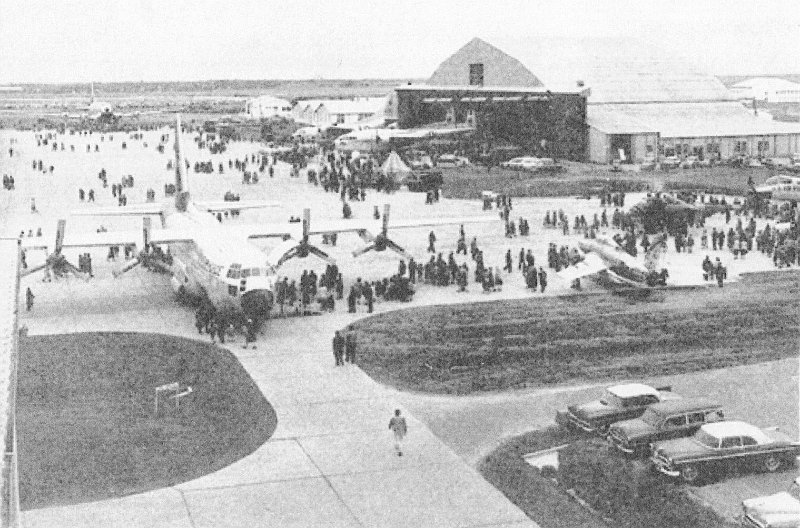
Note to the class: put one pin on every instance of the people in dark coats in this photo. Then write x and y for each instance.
(338, 348)
(350, 347)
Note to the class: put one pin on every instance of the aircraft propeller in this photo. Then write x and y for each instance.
(382, 241)
(303, 248)
(55, 263)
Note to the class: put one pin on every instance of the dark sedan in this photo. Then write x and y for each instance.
(720, 446)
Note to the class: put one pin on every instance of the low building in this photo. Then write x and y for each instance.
(330, 112)
(267, 106)
(767, 90)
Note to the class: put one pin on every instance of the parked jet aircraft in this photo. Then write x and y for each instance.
(214, 260)
(613, 268)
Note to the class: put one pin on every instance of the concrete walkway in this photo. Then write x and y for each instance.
(330, 461)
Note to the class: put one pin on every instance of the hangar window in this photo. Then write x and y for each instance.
(476, 74)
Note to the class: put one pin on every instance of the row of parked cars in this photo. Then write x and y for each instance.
(686, 438)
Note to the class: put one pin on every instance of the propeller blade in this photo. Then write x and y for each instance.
(146, 228)
(288, 255)
(29, 271)
(359, 252)
(366, 236)
(320, 254)
(62, 225)
(397, 249)
(126, 267)
(306, 222)
(385, 228)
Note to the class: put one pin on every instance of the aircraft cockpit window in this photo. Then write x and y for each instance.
(234, 272)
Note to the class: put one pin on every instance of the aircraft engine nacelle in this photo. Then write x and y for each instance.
(380, 243)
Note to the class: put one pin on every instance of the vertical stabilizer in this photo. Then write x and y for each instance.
(181, 187)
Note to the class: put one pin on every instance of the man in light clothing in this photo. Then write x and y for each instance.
(398, 426)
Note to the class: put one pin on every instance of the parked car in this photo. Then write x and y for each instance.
(670, 162)
(423, 180)
(662, 421)
(716, 447)
(690, 162)
(778, 162)
(544, 165)
(781, 510)
(515, 163)
(620, 402)
(451, 160)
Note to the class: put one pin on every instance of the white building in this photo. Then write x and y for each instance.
(646, 103)
(324, 113)
(266, 106)
(767, 89)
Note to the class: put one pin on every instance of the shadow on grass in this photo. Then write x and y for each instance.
(85, 415)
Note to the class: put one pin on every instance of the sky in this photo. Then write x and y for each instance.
(177, 40)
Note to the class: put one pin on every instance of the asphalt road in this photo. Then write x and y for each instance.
(765, 394)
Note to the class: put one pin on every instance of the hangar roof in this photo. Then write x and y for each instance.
(686, 120)
(616, 70)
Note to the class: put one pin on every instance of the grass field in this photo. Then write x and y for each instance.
(580, 178)
(86, 424)
(540, 499)
(539, 341)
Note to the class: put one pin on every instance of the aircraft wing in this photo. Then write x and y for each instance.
(220, 206)
(141, 209)
(345, 226)
(172, 236)
(35, 243)
(431, 222)
(105, 239)
(267, 230)
(126, 237)
(590, 265)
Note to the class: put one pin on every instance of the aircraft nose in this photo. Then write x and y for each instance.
(256, 304)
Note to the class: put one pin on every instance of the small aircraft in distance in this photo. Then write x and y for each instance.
(99, 111)
(208, 259)
(613, 268)
(657, 212)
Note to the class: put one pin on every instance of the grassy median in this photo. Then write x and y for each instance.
(462, 349)
(86, 424)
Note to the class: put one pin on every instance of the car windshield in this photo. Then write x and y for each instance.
(651, 417)
(707, 439)
(612, 400)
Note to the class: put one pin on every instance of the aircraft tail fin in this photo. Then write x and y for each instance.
(181, 185)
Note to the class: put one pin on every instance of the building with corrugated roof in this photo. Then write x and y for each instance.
(267, 106)
(639, 102)
(324, 113)
(768, 90)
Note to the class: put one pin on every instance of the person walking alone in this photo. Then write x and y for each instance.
(398, 426)
(338, 348)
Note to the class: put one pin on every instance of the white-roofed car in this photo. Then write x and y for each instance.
(451, 160)
(515, 163)
(718, 447)
(620, 402)
(780, 510)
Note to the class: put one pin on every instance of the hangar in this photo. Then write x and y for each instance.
(482, 87)
(598, 100)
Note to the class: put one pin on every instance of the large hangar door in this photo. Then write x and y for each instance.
(621, 147)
